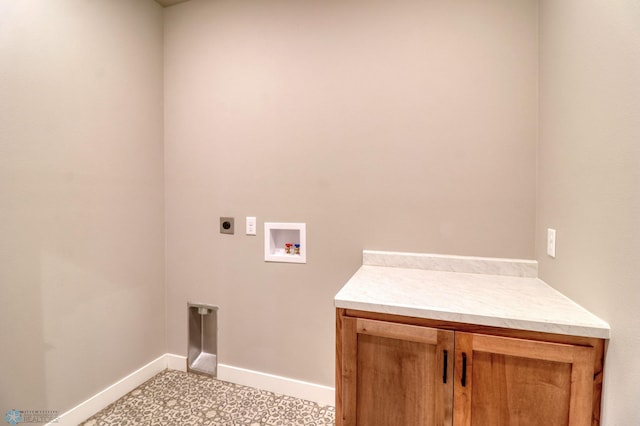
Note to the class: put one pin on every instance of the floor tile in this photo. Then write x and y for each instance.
(178, 398)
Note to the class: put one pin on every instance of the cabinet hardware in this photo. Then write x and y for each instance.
(463, 382)
(444, 370)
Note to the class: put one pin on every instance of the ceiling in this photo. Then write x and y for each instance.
(167, 3)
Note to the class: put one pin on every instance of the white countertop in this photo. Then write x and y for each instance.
(509, 296)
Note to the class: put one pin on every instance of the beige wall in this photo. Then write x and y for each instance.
(81, 197)
(589, 175)
(405, 125)
(384, 125)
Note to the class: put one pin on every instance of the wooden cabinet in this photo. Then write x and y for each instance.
(394, 370)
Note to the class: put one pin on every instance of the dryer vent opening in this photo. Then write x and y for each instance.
(203, 339)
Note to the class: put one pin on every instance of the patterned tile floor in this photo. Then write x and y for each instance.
(176, 398)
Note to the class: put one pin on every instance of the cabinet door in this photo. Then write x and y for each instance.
(515, 382)
(396, 374)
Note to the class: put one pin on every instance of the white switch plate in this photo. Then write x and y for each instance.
(251, 225)
(551, 242)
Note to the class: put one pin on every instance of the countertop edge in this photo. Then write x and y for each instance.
(577, 330)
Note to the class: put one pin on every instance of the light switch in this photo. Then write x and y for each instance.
(551, 242)
(251, 225)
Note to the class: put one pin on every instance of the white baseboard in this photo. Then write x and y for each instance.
(117, 390)
(282, 385)
(176, 362)
(323, 395)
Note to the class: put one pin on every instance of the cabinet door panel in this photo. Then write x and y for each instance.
(393, 374)
(536, 392)
(521, 382)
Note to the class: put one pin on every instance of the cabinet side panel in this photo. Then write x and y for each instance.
(598, 374)
(395, 382)
(338, 367)
(349, 371)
